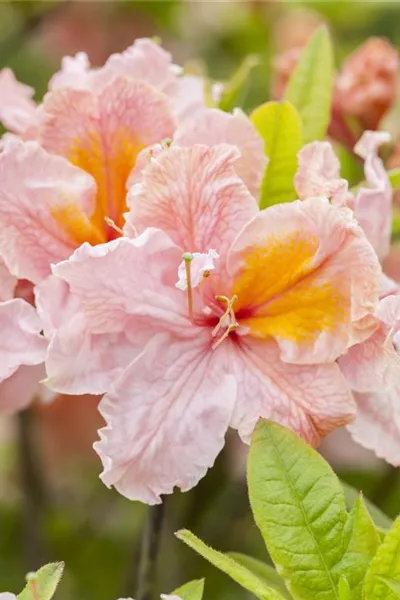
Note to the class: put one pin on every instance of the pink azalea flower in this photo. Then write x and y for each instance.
(258, 336)
(319, 175)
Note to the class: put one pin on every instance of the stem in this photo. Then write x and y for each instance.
(149, 552)
(33, 488)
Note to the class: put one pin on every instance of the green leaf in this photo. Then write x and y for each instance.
(299, 506)
(264, 571)
(392, 585)
(310, 85)
(45, 579)
(344, 589)
(382, 521)
(394, 178)
(193, 590)
(228, 565)
(236, 85)
(361, 543)
(386, 563)
(279, 125)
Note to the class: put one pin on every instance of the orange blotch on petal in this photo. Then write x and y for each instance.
(109, 160)
(76, 224)
(282, 291)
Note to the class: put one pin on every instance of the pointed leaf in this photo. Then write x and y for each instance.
(279, 125)
(361, 543)
(264, 571)
(299, 506)
(225, 563)
(46, 580)
(344, 589)
(234, 88)
(193, 590)
(310, 85)
(382, 521)
(386, 563)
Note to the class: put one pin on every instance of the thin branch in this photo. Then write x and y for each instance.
(149, 552)
(34, 490)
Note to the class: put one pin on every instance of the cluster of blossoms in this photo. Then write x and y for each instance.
(137, 265)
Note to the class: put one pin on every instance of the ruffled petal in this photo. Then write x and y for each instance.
(213, 126)
(75, 73)
(373, 365)
(310, 400)
(19, 390)
(20, 342)
(104, 304)
(319, 173)
(195, 195)
(166, 419)
(377, 426)
(373, 205)
(45, 205)
(17, 109)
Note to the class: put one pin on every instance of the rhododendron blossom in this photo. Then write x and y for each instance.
(258, 335)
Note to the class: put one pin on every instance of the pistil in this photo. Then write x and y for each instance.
(188, 257)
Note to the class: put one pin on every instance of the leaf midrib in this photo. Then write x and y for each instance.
(308, 525)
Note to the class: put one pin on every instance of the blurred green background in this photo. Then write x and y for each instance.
(52, 504)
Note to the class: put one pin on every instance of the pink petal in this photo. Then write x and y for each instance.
(41, 197)
(103, 306)
(370, 142)
(377, 426)
(201, 264)
(144, 60)
(195, 196)
(21, 342)
(388, 310)
(75, 73)
(214, 126)
(319, 173)
(17, 109)
(127, 278)
(187, 97)
(19, 390)
(103, 134)
(373, 205)
(310, 400)
(79, 362)
(7, 596)
(7, 283)
(166, 419)
(372, 365)
(320, 279)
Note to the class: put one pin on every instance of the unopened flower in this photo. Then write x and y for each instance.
(365, 87)
(259, 336)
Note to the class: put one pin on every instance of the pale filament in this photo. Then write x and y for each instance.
(229, 313)
(113, 225)
(188, 257)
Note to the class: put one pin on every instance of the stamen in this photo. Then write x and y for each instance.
(223, 337)
(113, 225)
(228, 312)
(187, 258)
